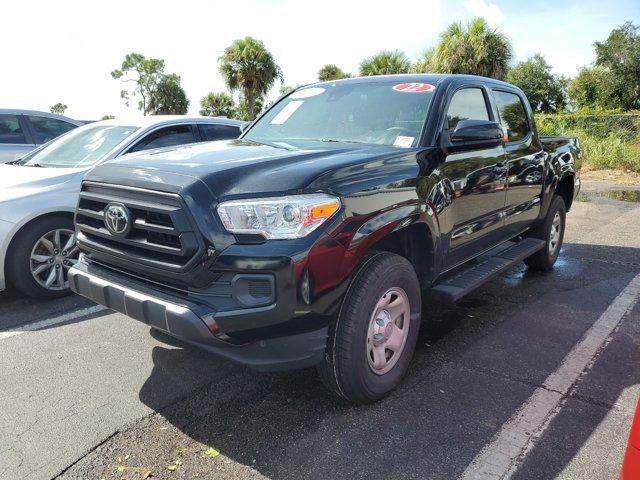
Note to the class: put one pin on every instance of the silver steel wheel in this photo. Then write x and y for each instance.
(554, 234)
(388, 330)
(52, 256)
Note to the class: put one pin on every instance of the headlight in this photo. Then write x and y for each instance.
(294, 216)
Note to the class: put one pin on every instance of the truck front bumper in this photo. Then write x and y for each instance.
(192, 322)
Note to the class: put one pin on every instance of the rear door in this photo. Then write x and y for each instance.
(15, 138)
(476, 180)
(525, 161)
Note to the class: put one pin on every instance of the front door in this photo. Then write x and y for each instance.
(476, 180)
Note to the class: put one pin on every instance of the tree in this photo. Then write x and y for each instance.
(247, 66)
(588, 89)
(144, 73)
(169, 98)
(331, 72)
(59, 108)
(243, 112)
(546, 92)
(474, 49)
(620, 55)
(107, 117)
(218, 105)
(285, 89)
(386, 62)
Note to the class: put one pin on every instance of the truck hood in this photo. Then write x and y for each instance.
(18, 181)
(238, 167)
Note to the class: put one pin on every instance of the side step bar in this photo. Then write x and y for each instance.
(457, 286)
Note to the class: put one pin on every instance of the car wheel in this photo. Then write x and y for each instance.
(372, 341)
(40, 257)
(552, 232)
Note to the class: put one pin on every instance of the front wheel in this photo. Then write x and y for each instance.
(40, 257)
(372, 342)
(551, 230)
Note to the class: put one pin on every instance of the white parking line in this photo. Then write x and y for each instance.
(501, 458)
(48, 322)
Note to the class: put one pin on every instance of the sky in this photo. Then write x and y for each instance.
(64, 51)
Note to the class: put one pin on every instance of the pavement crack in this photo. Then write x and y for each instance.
(59, 475)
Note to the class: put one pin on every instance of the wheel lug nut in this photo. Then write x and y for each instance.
(64, 253)
(55, 252)
(380, 321)
(51, 260)
(377, 337)
(57, 266)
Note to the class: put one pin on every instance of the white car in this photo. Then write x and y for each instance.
(38, 193)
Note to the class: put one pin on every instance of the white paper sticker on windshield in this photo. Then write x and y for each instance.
(402, 141)
(307, 92)
(286, 112)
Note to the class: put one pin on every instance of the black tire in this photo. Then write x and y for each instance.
(544, 259)
(346, 369)
(18, 266)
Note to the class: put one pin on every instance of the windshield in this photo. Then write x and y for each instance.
(82, 147)
(384, 113)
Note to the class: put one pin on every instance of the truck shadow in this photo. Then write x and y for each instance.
(287, 425)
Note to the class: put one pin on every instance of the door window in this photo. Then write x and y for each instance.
(166, 137)
(47, 128)
(10, 131)
(467, 104)
(512, 115)
(211, 131)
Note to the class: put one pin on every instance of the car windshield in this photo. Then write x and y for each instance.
(82, 147)
(384, 113)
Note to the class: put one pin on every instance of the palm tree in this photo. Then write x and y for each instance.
(475, 49)
(247, 66)
(387, 62)
(331, 72)
(218, 105)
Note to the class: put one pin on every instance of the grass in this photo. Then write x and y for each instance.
(609, 141)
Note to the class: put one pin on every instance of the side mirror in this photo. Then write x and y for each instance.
(244, 126)
(477, 131)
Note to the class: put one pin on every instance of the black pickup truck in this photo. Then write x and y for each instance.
(317, 237)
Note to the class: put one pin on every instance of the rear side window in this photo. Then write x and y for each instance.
(10, 131)
(512, 115)
(211, 132)
(467, 104)
(49, 128)
(166, 137)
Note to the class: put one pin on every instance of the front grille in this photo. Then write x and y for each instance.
(160, 233)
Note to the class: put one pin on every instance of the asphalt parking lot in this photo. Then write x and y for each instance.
(87, 393)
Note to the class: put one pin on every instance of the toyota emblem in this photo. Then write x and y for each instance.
(117, 219)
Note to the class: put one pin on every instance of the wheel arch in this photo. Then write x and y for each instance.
(11, 242)
(406, 231)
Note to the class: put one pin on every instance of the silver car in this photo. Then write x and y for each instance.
(38, 194)
(23, 130)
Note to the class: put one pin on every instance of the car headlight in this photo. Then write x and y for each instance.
(294, 216)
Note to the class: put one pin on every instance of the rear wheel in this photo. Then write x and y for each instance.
(372, 342)
(551, 230)
(40, 257)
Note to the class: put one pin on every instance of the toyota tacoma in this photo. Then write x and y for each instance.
(316, 238)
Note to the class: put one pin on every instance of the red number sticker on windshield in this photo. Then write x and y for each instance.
(414, 87)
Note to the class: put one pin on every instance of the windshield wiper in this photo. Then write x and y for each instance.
(327, 140)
